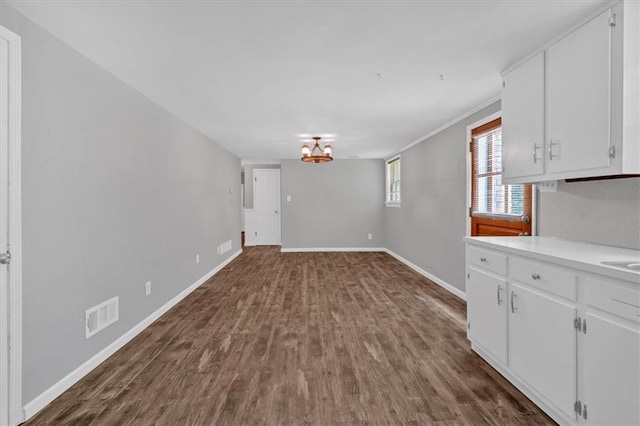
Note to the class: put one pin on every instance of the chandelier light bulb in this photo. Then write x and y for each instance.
(305, 150)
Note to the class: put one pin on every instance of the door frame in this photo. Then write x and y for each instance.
(534, 188)
(14, 304)
(255, 207)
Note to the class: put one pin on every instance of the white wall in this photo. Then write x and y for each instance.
(116, 192)
(333, 205)
(600, 212)
(428, 229)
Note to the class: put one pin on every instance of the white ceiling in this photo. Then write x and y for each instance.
(259, 77)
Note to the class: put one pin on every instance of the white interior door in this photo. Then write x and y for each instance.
(4, 228)
(266, 202)
(10, 231)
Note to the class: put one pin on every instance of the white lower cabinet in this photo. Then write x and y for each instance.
(568, 338)
(610, 363)
(542, 345)
(487, 316)
(611, 373)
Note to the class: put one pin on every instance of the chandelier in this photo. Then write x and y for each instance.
(315, 154)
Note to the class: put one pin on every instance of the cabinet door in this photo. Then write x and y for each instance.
(542, 345)
(578, 83)
(523, 120)
(487, 312)
(611, 372)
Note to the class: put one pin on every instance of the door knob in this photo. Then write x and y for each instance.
(525, 219)
(5, 258)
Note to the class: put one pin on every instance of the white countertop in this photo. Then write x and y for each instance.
(569, 253)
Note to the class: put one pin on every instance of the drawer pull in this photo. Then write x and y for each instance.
(625, 303)
(551, 154)
(483, 259)
(535, 276)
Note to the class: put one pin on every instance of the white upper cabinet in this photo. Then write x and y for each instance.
(523, 120)
(587, 83)
(578, 99)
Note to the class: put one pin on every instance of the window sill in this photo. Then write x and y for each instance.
(509, 217)
(392, 204)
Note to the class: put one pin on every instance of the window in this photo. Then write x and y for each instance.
(507, 207)
(393, 182)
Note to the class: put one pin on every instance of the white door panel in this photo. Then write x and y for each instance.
(487, 312)
(267, 206)
(4, 223)
(523, 120)
(612, 384)
(578, 98)
(542, 345)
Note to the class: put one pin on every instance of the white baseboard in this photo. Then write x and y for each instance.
(328, 249)
(41, 401)
(456, 291)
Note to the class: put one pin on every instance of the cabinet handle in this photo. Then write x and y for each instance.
(513, 306)
(551, 144)
(535, 276)
(483, 259)
(535, 150)
(498, 295)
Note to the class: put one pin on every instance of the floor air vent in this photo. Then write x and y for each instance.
(101, 316)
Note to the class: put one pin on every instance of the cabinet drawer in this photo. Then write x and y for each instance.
(487, 259)
(609, 297)
(555, 280)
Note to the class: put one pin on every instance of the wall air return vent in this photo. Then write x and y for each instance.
(101, 316)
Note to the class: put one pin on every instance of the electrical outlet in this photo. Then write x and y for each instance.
(548, 186)
(147, 288)
(370, 236)
(197, 258)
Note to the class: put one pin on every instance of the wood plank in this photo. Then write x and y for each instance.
(301, 338)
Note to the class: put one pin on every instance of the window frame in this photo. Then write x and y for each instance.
(469, 174)
(476, 134)
(387, 172)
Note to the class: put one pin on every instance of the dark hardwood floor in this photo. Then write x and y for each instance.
(300, 338)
